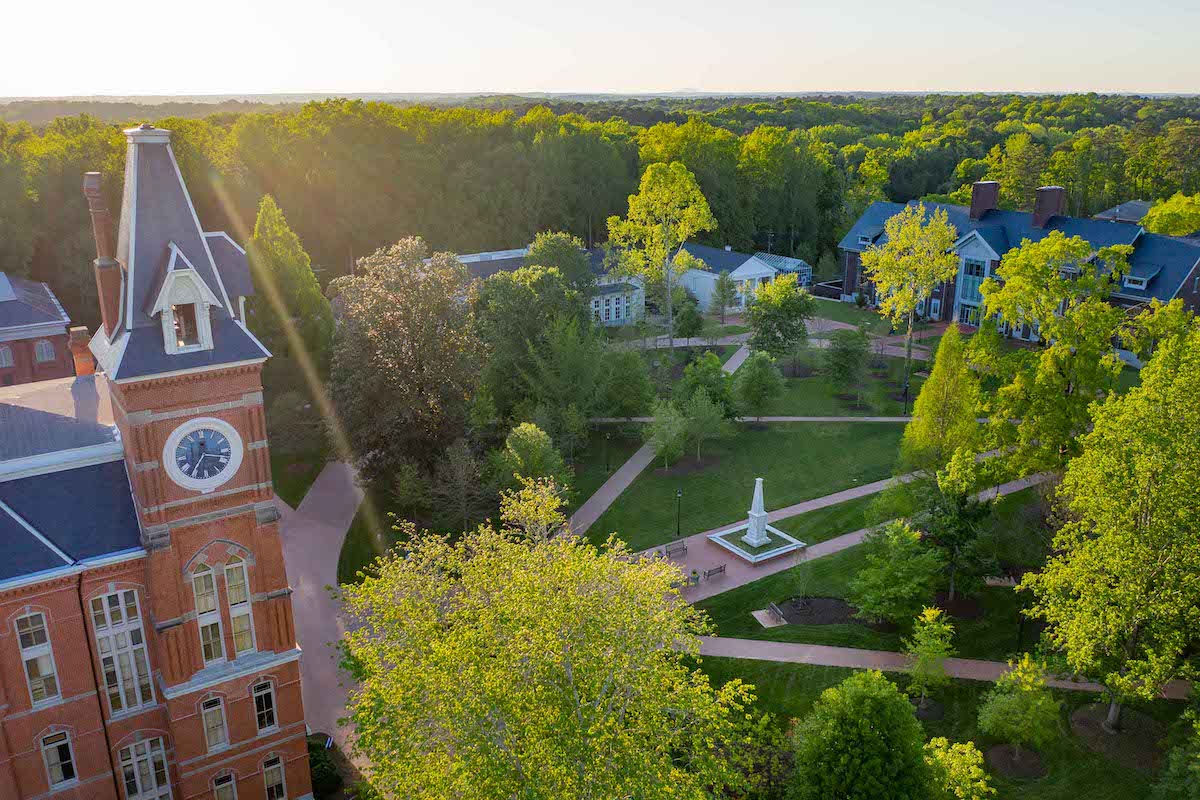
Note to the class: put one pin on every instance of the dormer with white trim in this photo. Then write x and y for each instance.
(184, 305)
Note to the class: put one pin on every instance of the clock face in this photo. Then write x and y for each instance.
(202, 454)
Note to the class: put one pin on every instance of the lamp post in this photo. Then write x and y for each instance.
(607, 436)
(678, 500)
(906, 398)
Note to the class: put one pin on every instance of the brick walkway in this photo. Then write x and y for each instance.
(702, 554)
(822, 655)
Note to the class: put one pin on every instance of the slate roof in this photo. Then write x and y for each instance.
(1129, 211)
(615, 288)
(717, 259)
(145, 356)
(232, 265)
(25, 302)
(159, 214)
(86, 512)
(49, 416)
(1004, 230)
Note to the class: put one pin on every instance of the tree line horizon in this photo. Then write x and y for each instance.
(789, 175)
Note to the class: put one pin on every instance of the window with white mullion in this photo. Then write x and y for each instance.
(208, 615)
(216, 735)
(38, 657)
(273, 779)
(60, 762)
(237, 593)
(121, 641)
(264, 706)
(144, 771)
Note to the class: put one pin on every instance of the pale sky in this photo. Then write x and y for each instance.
(157, 47)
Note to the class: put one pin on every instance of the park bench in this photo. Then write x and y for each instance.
(676, 549)
(709, 574)
(776, 612)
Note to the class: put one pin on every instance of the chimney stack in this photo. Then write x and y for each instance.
(77, 341)
(985, 197)
(1050, 202)
(108, 270)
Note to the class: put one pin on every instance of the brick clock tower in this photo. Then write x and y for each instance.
(183, 373)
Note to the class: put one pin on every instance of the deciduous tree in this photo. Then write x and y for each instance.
(705, 420)
(1020, 710)
(668, 209)
(628, 390)
(846, 360)
(528, 453)
(706, 373)
(502, 665)
(667, 432)
(945, 413)
(460, 495)
(724, 295)
(688, 322)
(779, 315)
(957, 771)
(565, 253)
(927, 650)
(1119, 594)
(898, 577)
(1179, 215)
(405, 357)
(756, 383)
(915, 260)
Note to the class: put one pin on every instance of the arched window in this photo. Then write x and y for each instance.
(43, 351)
(6, 357)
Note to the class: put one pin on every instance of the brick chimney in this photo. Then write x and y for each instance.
(985, 196)
(107, 268)
(1050, 202)
(78, 340)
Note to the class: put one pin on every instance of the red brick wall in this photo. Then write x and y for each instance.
(26, 368)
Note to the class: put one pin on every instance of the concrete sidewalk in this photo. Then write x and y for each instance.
(312, 541)
(822, 655)
(627, 473)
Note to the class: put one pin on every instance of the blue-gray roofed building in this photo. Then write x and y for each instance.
(1161, 267)
(33, 333)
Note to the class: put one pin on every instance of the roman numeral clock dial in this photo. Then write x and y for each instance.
(203, 454)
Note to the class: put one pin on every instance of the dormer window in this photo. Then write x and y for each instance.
(187, 334)
(864, 239)
(183, 303)
(1134, 282)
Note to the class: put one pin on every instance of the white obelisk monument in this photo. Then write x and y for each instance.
(756, 533)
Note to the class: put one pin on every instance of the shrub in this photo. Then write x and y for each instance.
(957, 771)
(861, 741)
(325, 776)
(899, 575)
(1020, 710)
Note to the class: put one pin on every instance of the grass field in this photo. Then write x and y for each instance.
(590, 471)
(826, 523)
(294, 473)
(995, 634)
(816, 396)
(789, 690)
(797, 462)
(851, 314)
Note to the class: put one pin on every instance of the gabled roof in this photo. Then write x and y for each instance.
(1005, 230)
(717, 259)
(784, 263)
(25, 303)
(1129, 211)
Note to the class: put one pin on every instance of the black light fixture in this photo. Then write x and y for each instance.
(678, 500)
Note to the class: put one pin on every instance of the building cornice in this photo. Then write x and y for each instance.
(223, 673)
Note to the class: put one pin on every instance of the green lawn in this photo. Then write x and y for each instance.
(361, 546)
(816, 396)
(797, 462)
(851, 314)
(991, 635)
(294, 473)
(590, 472)
(733, 330)
(789, 690)
(826, 523)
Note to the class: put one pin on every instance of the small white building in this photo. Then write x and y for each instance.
(748, 272)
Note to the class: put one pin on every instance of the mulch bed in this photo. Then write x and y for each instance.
(963, 607)
(791, 370)
(826, 611)
(1002, 758)
(930, 711)
(1139, 743)
(687, 465)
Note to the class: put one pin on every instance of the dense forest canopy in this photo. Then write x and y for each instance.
(489, 172)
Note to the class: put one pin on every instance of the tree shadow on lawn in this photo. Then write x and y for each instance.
(688, 466)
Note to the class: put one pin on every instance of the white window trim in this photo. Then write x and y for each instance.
(37, 651)
(74, 779)
(203, 620)
(110, 632)
(242, 609)
(226, 780)
(128, 757)
(39, 349)
(282, 774)
(255, 692)
(6, 357)
(220, 706)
